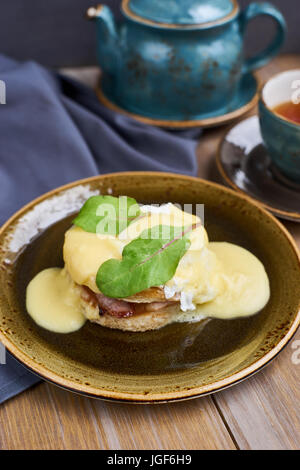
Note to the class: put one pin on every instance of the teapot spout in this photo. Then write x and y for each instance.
(108, 38)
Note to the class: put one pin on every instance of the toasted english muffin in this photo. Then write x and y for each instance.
(150, 320)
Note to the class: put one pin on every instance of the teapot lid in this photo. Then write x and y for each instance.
(180, 13)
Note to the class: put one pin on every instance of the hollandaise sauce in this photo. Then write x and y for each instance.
(243, 283)
(53, 301)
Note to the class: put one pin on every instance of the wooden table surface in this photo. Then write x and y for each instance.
(262, 412)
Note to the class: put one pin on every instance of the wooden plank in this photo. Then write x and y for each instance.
(264, 411)
(30, 421)
(189, 425)
(47, 417)
(77, 421)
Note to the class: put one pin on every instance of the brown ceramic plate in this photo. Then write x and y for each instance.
(179, 361)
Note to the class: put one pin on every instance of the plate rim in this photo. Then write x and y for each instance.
(140, 400)
(93, 392)
(175, 124)
(286, 215)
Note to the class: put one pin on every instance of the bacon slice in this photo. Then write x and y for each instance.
(114, 307)
(120, 308)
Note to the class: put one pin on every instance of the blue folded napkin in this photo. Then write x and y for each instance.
(53, 130)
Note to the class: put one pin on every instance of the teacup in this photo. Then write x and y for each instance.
(281, 135)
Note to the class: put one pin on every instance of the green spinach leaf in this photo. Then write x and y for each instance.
(147, 261)
(107, 214)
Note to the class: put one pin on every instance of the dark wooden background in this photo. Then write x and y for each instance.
(56, 32)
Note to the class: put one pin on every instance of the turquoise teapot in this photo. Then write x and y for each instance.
(178, 60)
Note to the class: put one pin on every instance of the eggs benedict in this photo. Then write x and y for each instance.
(143, 269)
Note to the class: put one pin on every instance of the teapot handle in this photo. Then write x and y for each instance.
(258, 9)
